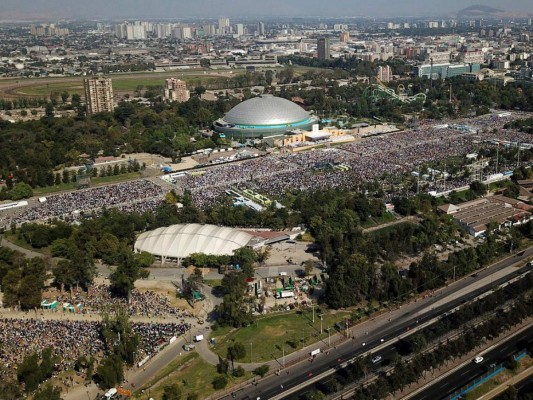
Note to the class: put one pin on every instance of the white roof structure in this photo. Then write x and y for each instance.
(266, 110)
(179, 241)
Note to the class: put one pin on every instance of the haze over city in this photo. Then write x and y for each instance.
(26, 9)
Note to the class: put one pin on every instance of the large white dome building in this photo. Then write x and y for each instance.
(265, 115)
(178, 241)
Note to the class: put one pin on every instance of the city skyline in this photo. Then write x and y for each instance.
(35, 9)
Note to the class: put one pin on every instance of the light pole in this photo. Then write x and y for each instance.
(321, 318)
(329, 336)
(283, 349)
(251, 351)
(313, 307)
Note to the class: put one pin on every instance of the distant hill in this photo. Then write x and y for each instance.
(487, 12)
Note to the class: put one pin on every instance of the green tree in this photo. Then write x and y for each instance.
(262, 370)
(21, 191)
(220, 382)
(172, 392)
(9, 388)
(48, 392)
(110, 372)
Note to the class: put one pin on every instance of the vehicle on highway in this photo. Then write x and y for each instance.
(478, 359)
(376, 359)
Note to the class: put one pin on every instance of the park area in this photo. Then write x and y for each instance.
(268, 337)
(191, 374)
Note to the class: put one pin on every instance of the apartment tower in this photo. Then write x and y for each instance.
(98, 94)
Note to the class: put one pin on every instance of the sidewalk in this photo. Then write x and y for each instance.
(504, 386)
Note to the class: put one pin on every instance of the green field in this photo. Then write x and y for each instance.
(191, 373)
(267, 337)
(120, 84)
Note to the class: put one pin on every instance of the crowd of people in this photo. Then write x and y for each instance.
(132, 196)
(147, 303)
(369, 159)
(73, 339)
(394, 153)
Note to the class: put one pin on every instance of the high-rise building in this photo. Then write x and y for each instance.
(223, 26)
(384, 74)
(323, 48)
(345, 36)
(261, 29)
(176, 90)
(98, 95)
(240, 29)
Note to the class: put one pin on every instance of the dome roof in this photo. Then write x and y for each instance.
(266, 110)
(178, 241)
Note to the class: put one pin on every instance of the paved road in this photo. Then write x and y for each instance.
(380, 328)
(471, 371)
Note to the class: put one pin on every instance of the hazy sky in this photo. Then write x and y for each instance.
(26, 9)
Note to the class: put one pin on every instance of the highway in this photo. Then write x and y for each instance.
(471, 371)
(524, 386)
(293, 381)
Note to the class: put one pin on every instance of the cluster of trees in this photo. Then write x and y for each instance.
(23, 102)
(22, 279)
(244, 258)
(12, 191)
(523, 125)
(35, 369)
(121, 345)
(236, 351)
(234, 310)
(359, 264)
(32, 150)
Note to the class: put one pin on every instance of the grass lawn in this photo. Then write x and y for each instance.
(265, 339)
(386, 217)
(213, 282)
(191, 373)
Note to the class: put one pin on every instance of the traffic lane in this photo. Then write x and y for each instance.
(354, 348)
(525, 386)
(472, 370)
(331, 360)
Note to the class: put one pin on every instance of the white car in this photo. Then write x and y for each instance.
(478, 359)
(376, 359)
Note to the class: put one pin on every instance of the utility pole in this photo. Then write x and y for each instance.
(321, 315)
(329, 336)
(283, 349)
(313, 307)
(251, 351)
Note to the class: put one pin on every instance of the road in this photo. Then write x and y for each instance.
(381, 328)
(471, 371)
